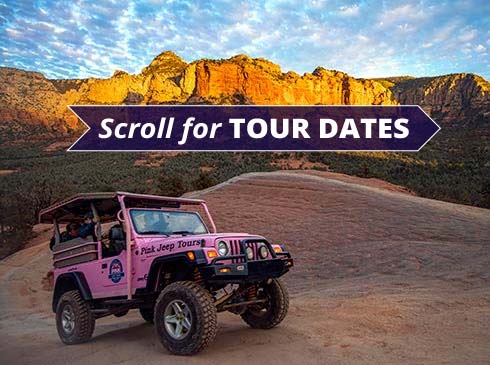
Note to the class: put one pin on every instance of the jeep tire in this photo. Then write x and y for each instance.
(147, 314)
(185, 318)
(74, 321)
(275, 309)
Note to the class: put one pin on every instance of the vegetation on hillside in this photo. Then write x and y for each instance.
(40, 178)
(453, 167)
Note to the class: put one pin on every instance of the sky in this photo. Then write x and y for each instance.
(79, 39)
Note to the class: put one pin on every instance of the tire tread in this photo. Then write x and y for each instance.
(85, 324)
(281, 298)
(207, 314)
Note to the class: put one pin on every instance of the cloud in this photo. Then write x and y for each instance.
(446, 32)
(480, 48)
(92, 39)
(467, 35)
(350, 11)
(404, 13)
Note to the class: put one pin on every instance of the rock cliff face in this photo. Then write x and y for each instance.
(28, 98)
(456, 97)
(262, 82)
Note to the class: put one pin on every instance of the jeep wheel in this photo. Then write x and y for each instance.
(185, 318)
(147, 314)
(74, 320)
(274, 310)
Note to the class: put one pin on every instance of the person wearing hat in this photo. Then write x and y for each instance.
(88, 226)
(75, 230)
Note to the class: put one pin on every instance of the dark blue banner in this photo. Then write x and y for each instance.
(253, 128)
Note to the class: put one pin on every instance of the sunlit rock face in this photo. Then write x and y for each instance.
(28, 98)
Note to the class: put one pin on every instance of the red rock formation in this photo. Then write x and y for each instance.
(28, 98)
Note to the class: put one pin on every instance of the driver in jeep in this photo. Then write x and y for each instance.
(114, 241)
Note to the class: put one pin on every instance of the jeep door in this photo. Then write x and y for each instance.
(114, 275)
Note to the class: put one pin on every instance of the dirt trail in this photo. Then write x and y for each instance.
(380, 276)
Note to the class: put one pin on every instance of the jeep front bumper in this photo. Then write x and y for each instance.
(237, 268)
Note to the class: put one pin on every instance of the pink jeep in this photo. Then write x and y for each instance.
(160, 257)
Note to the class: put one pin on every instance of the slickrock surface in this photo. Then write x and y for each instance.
(381, 276)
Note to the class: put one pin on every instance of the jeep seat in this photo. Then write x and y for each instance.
(117, 241)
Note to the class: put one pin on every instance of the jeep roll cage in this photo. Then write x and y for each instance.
(109, 207)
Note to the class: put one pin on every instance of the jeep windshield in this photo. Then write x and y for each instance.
(164, 222)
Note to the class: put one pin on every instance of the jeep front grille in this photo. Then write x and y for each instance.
(235, 249)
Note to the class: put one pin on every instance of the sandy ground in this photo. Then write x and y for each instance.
(380, 276)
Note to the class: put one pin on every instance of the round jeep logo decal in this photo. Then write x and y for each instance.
(116, 272)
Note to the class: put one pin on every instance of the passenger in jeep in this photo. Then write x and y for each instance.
(72, 232)
(88, 226)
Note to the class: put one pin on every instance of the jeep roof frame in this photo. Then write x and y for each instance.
(107, 205)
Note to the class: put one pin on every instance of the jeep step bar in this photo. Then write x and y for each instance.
(117, 306)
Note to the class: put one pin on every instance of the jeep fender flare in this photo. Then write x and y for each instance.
(71, 281)
(181, 259)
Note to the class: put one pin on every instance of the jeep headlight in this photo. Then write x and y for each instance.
(263, 252)
(250, 253)
(222, 248)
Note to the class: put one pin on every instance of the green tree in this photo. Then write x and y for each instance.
(171, 185)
